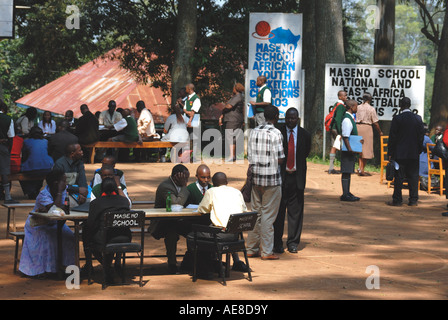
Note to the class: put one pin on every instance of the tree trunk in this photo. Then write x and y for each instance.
(185, 41)
(322, 43)
(385, 35)
(384, 55)
(439, 105)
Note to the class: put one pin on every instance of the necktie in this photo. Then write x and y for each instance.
(291, 153)
(203, 190)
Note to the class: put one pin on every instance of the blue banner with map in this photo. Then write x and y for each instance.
(275, 51)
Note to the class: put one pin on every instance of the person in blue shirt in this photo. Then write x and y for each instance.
(35, 161)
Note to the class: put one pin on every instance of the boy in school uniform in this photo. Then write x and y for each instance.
(348, 158)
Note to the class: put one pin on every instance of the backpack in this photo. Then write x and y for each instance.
(329, 118)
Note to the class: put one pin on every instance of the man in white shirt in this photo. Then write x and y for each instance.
(145, 123)
(110, 117)
(221, 201)
(107, 119)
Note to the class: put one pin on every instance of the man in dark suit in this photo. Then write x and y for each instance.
(297, 145)
(176, 184)
(405, 145)
(59, 141)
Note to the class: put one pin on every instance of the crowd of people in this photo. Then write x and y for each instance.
(276, 176)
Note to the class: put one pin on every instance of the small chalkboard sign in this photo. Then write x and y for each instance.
(125, 219)
(241, 222)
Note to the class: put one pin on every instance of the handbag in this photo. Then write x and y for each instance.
(390, 171)
(440, 150)
(247, 188)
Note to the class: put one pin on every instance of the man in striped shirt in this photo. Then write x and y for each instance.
(265, 152)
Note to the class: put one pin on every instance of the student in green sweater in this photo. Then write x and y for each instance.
(336, 128)
(197, 189)
(127, 128)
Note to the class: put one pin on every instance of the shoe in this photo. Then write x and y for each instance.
(270, 257)
(279, 249)
(253, 255)
(11, 201)
(354, 197)
(240, 266)
(349, 198)
(412, 203)
(334, 171)
(394, 204)
(292, 249)
(445, 214)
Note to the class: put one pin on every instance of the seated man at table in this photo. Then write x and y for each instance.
(221, 201)
(198, 188)
(126, 128)
(93, 237)
(107, 119)
(73, 166)
(108, 172)
(176, 185)
(108, 160)
(58, 142)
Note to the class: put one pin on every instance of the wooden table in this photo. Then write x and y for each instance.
(11, 210)
(77, 217)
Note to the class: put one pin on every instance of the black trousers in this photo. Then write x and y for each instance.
(293, 202)
(408, 170)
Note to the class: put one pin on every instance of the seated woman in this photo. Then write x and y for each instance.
(175, 130)
(47, 124)
(93, 237)
(39, 252)
(35, 161)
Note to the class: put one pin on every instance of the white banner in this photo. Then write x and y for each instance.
(6, 18)
(275, 51)
(387, 84)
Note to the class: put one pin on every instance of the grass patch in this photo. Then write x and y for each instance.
(337, 163)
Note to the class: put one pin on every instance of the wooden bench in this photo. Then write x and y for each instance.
(128, 145)
(11, 210)
(21, 176)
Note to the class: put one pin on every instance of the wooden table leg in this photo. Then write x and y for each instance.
(8, 219)
(92, 156)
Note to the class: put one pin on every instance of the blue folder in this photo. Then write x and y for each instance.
(355, 144)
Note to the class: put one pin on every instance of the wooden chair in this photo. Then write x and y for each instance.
(237, 224)
(384, 160)
(433, 171)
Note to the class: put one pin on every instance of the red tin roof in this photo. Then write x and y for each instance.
(94, 84)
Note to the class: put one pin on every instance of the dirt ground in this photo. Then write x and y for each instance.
(408, 245)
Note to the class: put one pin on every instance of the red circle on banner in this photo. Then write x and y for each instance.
(263, 28)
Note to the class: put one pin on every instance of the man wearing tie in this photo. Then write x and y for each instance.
(197, 189)
(297, 145)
